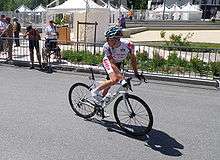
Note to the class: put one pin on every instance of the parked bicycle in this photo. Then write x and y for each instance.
(131, 113)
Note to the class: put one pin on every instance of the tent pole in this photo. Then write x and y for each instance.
(95, 37)
(86, 14)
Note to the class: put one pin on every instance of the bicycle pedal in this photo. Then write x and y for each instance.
(100, 112)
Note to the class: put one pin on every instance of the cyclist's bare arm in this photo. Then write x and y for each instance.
(112, 61)
(134, 62)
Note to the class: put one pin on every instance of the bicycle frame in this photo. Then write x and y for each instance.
(120, 90)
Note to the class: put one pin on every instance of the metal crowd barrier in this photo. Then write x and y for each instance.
(196, 63)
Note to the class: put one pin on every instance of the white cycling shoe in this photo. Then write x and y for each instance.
(97, 96)
(98, 99)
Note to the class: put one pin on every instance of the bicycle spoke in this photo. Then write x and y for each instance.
(139, 121)
(79, 95)
(127, 115)
(125, 118)
(142, 117)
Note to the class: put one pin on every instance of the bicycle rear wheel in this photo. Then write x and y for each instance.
(80, 100)
(133, 115)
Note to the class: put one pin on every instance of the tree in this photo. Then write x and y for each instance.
(138, 4)
(8, 5)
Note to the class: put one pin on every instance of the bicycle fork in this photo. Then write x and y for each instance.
(128, 105)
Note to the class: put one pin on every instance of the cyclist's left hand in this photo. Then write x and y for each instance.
(140, 77)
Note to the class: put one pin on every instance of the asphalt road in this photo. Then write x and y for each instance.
(37, 123)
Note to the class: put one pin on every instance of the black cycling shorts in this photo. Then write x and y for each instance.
(34, 44)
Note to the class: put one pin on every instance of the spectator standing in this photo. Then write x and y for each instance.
(122, 21)
(33, 37)
(130, 14)
(51, 36)
(117, 23)
(16, 31)
(9, 37)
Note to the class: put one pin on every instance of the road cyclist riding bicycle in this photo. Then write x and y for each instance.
(131, 113)
(115, 51)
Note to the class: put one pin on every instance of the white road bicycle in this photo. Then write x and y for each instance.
(131, 113)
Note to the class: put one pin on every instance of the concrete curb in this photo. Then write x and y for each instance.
(99, 70)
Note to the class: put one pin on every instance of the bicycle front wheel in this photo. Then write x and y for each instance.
(80, 100)
(133, 115)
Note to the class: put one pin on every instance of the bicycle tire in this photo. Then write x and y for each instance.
(131, 128)
(82, 102)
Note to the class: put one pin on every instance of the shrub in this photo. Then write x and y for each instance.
(83, 57)
(177, 40)
(215, 68)
(199, 66)
(157, 61)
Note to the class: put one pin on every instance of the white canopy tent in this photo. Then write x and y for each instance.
(190, 12)
(189, 7)
(161, 8)
(157, 13)
(24, 15)
(123, 10)
(111, 8)
(186, 12)
(71, 5)
(114, 13)
(84, 10)
(39, 8)
(23, 8)
(176, 12)
(175, 8)
(39, 14)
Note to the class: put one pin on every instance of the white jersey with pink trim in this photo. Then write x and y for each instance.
(120, 53)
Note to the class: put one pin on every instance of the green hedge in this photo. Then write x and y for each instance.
(173, 64)
(82, 57)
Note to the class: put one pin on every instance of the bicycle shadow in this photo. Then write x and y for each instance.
(156, 139)
(163, 143)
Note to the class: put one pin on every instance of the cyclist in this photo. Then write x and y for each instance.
(115, 51)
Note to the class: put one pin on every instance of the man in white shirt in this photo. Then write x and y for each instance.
(51, 36)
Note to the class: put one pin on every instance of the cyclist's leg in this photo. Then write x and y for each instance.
(105, 91)
(115, 76)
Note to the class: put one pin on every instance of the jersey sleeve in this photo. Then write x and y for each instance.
(130, 46)
(106, 50)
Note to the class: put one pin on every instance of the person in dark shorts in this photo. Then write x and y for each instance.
(16, 31)
(33, 37)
